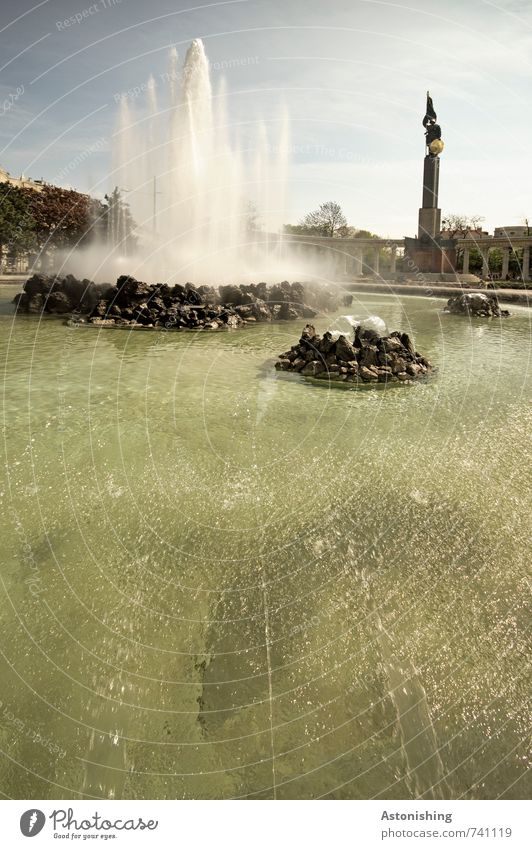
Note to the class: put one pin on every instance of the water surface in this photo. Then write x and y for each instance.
(219, 582)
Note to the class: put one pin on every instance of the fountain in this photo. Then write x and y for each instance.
(194, 191)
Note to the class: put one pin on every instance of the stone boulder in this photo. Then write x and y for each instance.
(58, 302)
(39, 284)
(345, 350)
(59, 295)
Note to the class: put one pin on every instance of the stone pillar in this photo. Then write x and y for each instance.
(465, 267)
(485, 252)
(393, 260)
(359, 262)
(376, 259)
(505, 262)
(525, 269)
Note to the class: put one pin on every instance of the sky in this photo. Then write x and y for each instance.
(352, 75)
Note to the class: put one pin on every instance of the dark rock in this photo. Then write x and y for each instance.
(82, 294)
(100, 309)
(393, 344)
(398, 365)
(244, 310)
(312, 369)
(297, 293)
(328, 342)
(179, 293)
(208, 294)
(288, 312)
(35, 304)
(344, 349)
(57, 302)
(369, 355)
(192, 294)
(261, 311)
(231, 295)
(309, 332)
(39, 284)
(281, 293)
(368, 373)
(407, 344)
(130, 289)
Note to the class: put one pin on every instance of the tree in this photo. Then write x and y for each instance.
(62, 218)
(118, 223)
(458, 226)
(327, 220)
(355, 233)
(16, 222)
(297, 230)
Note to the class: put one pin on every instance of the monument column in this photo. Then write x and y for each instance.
(505, 262)
(465, 264)
(525, 269)
(431, 251)
(429, 224)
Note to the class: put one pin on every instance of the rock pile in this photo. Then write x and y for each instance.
(475, 304)
(134, 303)
(50, 294)
(369, 359)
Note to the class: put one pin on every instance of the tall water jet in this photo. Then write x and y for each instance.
(195, 194)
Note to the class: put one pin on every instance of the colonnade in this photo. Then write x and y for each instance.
(484, 248)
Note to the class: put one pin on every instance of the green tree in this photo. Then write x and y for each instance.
(296, 230)
(63, 218)
(118, 223)
(16, 222)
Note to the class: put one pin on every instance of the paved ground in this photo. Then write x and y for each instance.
(17, 279)
(442, 290)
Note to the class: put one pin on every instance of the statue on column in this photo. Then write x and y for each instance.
(432, 129)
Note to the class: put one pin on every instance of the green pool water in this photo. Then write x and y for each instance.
(221, 582)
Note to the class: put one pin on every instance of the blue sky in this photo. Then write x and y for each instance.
(353, 76)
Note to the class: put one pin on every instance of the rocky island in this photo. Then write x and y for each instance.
(370, 358)
(134, 304)
(479, 304)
